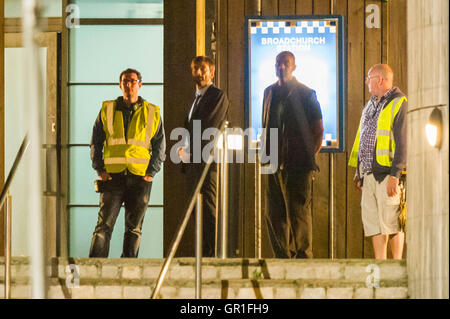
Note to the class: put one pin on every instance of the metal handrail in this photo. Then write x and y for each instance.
(12, 172)
(182, 227)
(8, 215)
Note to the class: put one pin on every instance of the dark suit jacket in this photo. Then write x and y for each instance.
(295, 138)
(212, 110)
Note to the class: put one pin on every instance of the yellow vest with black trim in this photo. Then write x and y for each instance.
(134, 152)
(385, 143)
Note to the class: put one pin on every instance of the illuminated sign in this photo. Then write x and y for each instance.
(317, 43)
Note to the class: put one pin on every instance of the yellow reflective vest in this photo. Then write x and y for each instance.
(134, 152)
(385, 143)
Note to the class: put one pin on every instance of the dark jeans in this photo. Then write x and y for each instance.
(288, 213)
(134, 192)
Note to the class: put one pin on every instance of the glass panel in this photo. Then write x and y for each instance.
(120, 8)
(82, 177)
(100, 48)
(82, 225)
(51, 8)
(86, 101)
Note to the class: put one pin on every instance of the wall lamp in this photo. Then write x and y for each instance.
(434, 128)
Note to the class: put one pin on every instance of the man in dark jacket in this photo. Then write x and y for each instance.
(291, 108)
(379, 153)
(209, 110)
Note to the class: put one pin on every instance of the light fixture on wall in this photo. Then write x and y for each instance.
(433, 128)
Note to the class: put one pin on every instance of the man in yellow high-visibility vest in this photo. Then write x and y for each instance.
(379, 154)
(127, 150)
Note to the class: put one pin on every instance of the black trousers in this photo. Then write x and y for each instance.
(288, 213)
(134, 192)
(209, 204)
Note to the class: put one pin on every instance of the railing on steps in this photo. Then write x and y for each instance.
(5, 197)
(196, 197)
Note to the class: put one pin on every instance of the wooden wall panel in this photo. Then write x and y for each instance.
(269, 7)
(364, 47)
(321, 186)
(179, 49)
(304, 7)
(397, 43)
(235, 90)
(340, 167)
(286, 7)
(355, 102)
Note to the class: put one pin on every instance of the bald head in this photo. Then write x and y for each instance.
(384, 71)
(380, 79)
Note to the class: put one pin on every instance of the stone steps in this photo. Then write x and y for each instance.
(227, 279)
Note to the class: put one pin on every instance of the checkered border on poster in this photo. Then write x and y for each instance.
(292, 27)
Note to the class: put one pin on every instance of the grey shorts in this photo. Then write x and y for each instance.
(379, 211)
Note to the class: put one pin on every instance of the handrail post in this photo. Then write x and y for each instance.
(8, 224)
(182, 226)
(198, 247)
(224, 173)
(258, 220)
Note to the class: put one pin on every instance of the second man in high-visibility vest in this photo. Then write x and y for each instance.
(379, 155)
(127, 149)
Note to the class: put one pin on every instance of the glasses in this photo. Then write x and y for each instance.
(368, 78)
(132, 81)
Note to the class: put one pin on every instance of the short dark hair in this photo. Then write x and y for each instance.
(287, 53)
(128, 71)
(206, 59)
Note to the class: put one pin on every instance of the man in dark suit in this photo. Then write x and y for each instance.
(209, 110)
(291, 108)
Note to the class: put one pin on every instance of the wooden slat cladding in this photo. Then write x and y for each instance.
(365, 47)
(179, 49)
(355, 102)
(320, 214)
(340, 170)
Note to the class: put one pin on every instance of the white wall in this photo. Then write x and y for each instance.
(15, 130)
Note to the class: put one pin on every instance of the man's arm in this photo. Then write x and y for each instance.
(317, 130)
(158, 151)
(97, 142)
(399, 130)
(399, 161)
(219, 111)
(315, 115)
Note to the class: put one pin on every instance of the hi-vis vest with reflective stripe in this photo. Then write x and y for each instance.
(134, 152)
(385, 144)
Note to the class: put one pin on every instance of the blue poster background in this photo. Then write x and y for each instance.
(314, 44)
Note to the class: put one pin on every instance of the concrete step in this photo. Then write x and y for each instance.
(228, 278)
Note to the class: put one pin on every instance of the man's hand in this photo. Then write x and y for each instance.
(148, 178)
(358, 183)
(180, 152)
(104, 176)
(391, 186)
